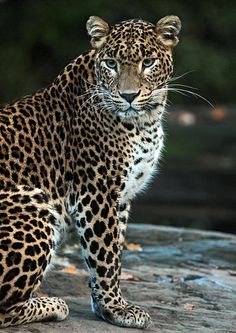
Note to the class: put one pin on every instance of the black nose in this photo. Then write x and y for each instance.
(129, 97)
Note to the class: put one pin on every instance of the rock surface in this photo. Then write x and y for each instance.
(186, 279)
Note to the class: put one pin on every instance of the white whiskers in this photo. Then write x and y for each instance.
(184, 89)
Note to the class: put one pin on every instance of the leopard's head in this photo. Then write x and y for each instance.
(134, 62)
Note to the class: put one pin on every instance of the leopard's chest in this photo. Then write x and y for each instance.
(143, 163)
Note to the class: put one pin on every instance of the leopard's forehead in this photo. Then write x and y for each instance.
(133, 26)
(132, 40)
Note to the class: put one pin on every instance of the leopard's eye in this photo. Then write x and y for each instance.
(111, 63)
(148, 62)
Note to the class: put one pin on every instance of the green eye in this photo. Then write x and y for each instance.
(111, 63)
(148, 62)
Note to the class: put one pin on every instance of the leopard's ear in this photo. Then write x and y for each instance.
(98, 30)
(168, 29)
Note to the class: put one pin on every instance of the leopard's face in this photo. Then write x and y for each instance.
(134, 63)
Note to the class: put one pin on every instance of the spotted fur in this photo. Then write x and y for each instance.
(74, 155)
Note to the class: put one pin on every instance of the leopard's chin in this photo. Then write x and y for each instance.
(129, 112)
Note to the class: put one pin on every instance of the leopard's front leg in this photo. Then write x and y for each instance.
(100, 238)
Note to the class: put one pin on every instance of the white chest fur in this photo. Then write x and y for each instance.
(144, 159)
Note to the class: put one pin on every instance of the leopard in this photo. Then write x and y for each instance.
(72, 157)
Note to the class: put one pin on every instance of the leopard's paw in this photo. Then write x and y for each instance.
(128, 316)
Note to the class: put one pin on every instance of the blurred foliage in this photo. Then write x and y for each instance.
(38, 38)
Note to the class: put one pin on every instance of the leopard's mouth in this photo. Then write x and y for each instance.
(129, 112)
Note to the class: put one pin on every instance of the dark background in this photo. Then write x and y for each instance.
(197, 175)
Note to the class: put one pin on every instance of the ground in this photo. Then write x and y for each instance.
(186, 279)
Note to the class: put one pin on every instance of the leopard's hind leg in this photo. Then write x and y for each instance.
(29, 231)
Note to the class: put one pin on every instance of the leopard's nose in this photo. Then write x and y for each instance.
(129, 97)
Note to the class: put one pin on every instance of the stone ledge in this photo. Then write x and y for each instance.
(185, 278)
